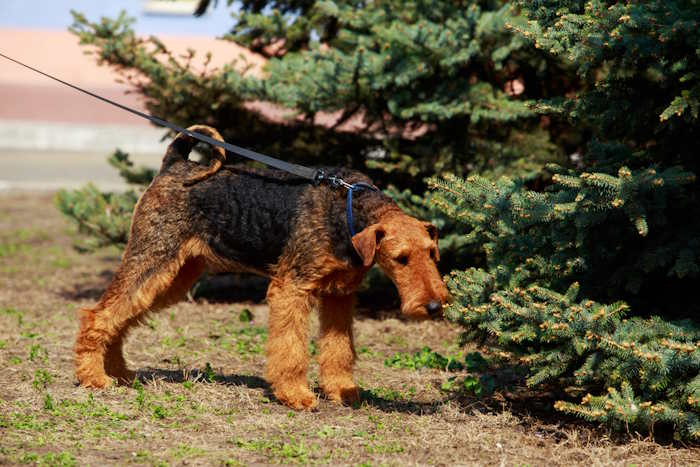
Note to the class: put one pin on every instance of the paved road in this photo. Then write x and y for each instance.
(47, 156)
(50, 171)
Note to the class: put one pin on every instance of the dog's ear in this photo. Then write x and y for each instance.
(366, 242)
(433, 232)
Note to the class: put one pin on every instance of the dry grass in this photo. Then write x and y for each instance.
(202, 400)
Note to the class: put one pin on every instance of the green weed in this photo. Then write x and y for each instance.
(37, 352)
(209, 375)
(250, 340)
(140, 394)
(425, 358)
(294, 452)
(8, 249)
(13, 312)
(147, 457)
(245, 316)
(364, 350)
(398, 341)
(25, 421)
(160, 412)
(184, 450)
(472, 384)
(284, 452)
(254, 445)
(61, 263)
(328, 432)
(177, 341)
(384, 448)
(48, 402)
(377, 421)
(252, 331)
(233, 462)
(476, 385)
(88, 408)
(63, 459)
(42, 379)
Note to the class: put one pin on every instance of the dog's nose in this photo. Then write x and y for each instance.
(433, 307)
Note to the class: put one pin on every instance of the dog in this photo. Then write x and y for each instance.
(223, 218)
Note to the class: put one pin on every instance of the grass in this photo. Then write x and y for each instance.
(200, 397)
(425, 358)
(65, 459)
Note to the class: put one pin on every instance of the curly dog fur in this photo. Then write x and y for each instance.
(193, 219)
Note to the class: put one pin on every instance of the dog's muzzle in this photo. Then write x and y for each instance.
(433, 307)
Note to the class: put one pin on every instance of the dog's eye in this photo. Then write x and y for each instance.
(402, 260)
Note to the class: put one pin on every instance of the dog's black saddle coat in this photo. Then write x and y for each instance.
(249, 215)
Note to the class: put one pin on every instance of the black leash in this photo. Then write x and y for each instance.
(314, 175)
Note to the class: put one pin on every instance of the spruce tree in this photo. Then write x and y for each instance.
(582, 270)
(435, 86)
(590, 283)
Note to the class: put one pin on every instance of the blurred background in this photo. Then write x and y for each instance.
(53, 137)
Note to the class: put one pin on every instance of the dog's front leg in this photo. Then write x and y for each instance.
(337, 351)
(288, 344)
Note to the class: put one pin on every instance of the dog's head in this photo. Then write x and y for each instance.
(406, 249)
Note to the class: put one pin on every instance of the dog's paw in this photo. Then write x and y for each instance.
(347, 395)
(297, 398)
(96, 382)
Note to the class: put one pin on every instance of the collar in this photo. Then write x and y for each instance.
(360, 186)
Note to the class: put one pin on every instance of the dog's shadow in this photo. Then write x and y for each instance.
(400, 406)
(194, 375)
(367, 398)
(91, 290)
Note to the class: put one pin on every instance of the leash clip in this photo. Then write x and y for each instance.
(337, 181)
(359, 186)
(333, 180)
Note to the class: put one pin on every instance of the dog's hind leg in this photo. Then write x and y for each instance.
(336, 348)
(133, 292)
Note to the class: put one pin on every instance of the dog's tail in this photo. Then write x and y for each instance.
(179, 150)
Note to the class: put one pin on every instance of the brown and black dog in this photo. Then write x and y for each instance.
(193, 219)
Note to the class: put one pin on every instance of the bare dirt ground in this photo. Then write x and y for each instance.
(201, 398)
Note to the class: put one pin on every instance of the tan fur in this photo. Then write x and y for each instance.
(215, 163)
(98, 355)
(400, 235)
(287, 344)
(99, 359)
(165, 257)
(337, 349)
